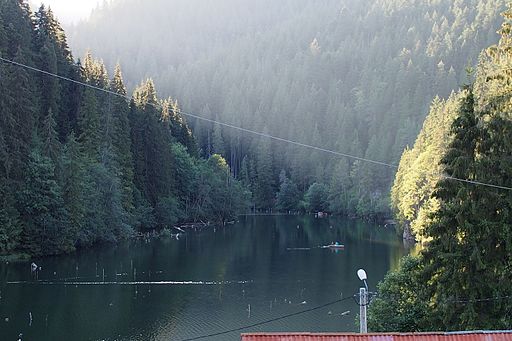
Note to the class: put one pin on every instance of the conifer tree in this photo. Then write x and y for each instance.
(10, 225)
(50, 97)
(45, 220)
(54, 56)
(218, 146)
(50, 139)
(75, 184)
(455, 241)
(91, 112)
(263, 189)
(288, 197)
(20, 113)
(151, 146)
(121, 138)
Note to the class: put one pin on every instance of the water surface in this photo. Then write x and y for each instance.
(203, 283)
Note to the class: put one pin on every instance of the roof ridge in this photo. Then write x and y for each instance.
(463, 332)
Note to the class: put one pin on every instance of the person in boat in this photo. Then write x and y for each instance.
(337, 244)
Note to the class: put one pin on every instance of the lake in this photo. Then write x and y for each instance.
(202, 283)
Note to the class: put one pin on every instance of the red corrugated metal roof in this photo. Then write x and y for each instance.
(453, 336)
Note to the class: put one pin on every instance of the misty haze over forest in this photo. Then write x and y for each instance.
(352, 76)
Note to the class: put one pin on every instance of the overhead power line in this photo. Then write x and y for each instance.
(446, 301)
(245, 130)
(268, 321)
(478, 183)
(289, 141)
(129, 98)
(487, 299)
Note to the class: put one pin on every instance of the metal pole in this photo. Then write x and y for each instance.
(363, 299)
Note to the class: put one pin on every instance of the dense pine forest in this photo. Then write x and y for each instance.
(81, 166)
(90, 155)
(356, 77)
(461, 280)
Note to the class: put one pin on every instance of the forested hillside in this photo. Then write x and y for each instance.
(420, 169)
(80, 166)
(460, 281)
(352, 76)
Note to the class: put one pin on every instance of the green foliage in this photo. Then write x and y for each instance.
(351, 76)
(50, 139)
(45, 220)
(74, 183)
(10, 230)
(316, 198)
(226, 195)
(263, 185)
(339, 188)
(218, 141)
(400, 306)
(121, 141)
(288, 197)
(79, 166)
(168, 211)
(143, 217)
(462, 274)
(420, 169)
(105, 218)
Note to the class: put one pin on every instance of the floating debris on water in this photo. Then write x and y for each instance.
(133, 283)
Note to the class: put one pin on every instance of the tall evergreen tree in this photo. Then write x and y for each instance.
(288, 197)
(75, 184)
(10, 225)
(45, 220)
(263, 190)
(218, 145)
(20, 113)
(121, 138)
(50, 139)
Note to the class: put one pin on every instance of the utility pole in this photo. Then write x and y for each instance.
(363, 302)
(363, 299)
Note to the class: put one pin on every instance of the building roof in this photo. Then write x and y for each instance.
(502, 335)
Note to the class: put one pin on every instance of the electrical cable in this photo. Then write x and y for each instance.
(157, 106)
(129, 98)
(267, 321)
(372, 294)
(473, 182)
(463, 301)
(478, 300)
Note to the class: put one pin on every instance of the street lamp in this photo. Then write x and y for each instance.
(362, 276)
(363, 301)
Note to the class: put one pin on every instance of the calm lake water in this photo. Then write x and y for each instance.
(202, 283)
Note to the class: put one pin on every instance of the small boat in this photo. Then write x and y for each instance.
(334, 246)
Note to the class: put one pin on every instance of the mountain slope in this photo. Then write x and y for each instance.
(352, 76)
